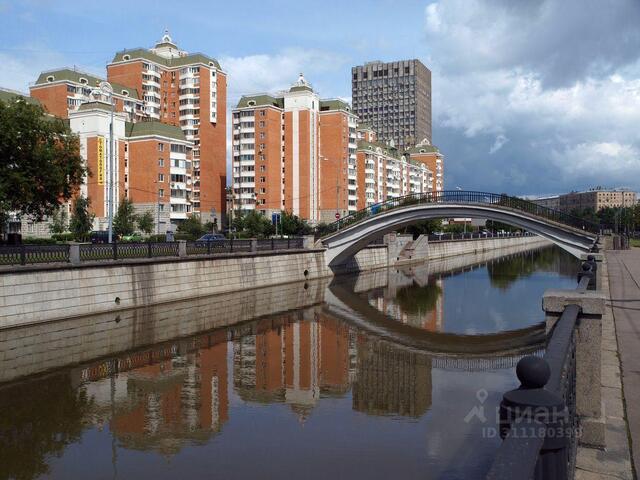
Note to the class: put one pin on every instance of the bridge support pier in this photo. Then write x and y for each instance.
(589, 403)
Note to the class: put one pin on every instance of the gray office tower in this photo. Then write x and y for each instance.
(394, 98)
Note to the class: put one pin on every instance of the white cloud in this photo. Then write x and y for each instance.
(503, 74)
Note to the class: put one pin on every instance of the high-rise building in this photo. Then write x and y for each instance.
(395, 99)
(302, 154)
(183, 98)
(189, 91)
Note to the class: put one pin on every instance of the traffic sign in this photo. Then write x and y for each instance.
(337, 215)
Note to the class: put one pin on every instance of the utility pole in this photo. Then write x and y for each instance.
(107, 90)
(158, 216)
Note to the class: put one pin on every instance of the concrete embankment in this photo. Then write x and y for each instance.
(39, 294)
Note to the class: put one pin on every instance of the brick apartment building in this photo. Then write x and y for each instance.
(297, 152)
(169, 130)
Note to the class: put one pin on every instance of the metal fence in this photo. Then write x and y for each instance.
(446, 237)
(538, 421)
(462, 197)
(28, 254)
(39, 254)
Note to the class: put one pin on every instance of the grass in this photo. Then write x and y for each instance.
(634, 242)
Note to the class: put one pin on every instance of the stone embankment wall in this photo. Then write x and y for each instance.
(36, 294)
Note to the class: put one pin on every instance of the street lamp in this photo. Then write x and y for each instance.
(107, 90)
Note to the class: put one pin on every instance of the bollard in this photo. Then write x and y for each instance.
(586, 270)
(535, 411)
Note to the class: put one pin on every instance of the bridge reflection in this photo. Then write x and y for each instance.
(179, 392)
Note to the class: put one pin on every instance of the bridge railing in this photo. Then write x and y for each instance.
(539, 423)
(464, 197)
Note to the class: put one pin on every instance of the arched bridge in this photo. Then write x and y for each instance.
(353, 232)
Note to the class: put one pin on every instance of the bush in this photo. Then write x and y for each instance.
(63, 237)
(38, 241)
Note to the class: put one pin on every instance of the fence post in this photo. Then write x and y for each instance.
(74, 253)
(288, 243)
(533, 411)
(114, 247)
(254, 245)
(209, 247)
(23, 254)
(182, 248)
(232, 244)
(272, 244)
(149, 249)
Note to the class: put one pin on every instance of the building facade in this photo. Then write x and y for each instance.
(429, 155)
(597, 199)
(395, 99)
(305, 155)
(161, 95)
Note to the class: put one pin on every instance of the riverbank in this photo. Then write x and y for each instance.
(39, 294)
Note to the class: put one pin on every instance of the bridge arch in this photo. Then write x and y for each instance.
(355, 235)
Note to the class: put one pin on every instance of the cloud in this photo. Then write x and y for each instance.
(540, 89)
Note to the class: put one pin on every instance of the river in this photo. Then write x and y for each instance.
(390, 374)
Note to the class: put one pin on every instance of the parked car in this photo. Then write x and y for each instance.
(211, 237)
(99, 236)
(134, 237)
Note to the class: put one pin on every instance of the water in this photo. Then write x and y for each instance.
(366, 377)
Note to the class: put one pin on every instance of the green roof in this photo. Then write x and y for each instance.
(390, 151)
(146, 54)
(301, 88)
(422, 149)
(144, 129)
(8, 95)
(262, 100)
(69, 75)
(95, 105)
(364, 126)
(334, 104)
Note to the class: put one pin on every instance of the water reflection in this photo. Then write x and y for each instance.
(304, 392)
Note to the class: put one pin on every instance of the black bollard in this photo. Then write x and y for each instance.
(531, 410)
(586, 270)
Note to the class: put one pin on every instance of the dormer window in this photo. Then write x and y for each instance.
(125, 93)
(422, 150)
(251, 103)
(83, 80)
(126, 57)
(50, 78)
(211, 64)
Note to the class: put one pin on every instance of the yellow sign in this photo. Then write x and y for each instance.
(101, 162)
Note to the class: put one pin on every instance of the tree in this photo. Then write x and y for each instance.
(252, 224)
(146, 223)
(425, 227)
(125, 218)
(59, 221)
(192, 226)
(291, 224)
(40, 162)
(81, 220)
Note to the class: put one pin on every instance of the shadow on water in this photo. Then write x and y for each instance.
(359, 378)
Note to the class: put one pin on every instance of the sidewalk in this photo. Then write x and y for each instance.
(624, 280)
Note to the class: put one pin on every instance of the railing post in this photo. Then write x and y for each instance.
(254, 245)
(533, 411)
(231, 249)
(149, 249)
(182, 248)
(115, 250)
(23, 254)
(272, 246)
(74, 253)
(209, 247)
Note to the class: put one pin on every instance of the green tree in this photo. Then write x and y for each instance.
(40, 162)
(125, 219)
(81, 219)
(59, 221)
(425, 227)
(192, 226)
(146, 223)
(252, 224)
(291, 224)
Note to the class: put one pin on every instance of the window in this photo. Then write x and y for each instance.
(263, 168)
(262, 123)
(161, 177)
(262, 179)
(263, 113)
(161, 147)
(261, 135)
(161, 162)
(161, 194)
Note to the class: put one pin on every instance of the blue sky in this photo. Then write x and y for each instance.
(528, 97)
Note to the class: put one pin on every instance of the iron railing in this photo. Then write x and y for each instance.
(463, 197)
(35, 254)
(28, 254)
(538, 421)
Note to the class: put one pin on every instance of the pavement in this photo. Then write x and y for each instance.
(620, 379)
(624, 279)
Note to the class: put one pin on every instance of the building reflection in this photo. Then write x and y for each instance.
(307, 356)
(164, 398)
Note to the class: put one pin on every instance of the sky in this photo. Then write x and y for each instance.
(529, 97)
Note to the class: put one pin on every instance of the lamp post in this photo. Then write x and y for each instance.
(107, 90)
(464, 220)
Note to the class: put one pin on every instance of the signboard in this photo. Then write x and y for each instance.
(337, 216)
(101, 162)
(275, 218)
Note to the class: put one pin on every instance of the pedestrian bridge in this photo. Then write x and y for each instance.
(352, 233)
